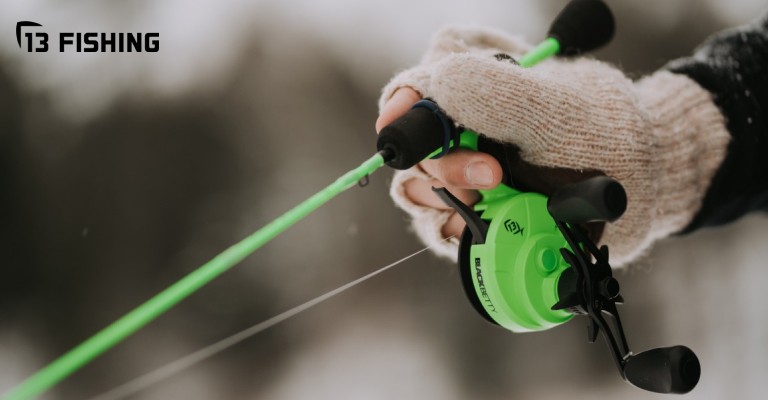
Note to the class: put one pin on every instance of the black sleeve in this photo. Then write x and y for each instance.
(733, 66)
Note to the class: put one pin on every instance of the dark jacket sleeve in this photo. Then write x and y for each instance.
(733, 66)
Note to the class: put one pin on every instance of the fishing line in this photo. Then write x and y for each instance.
(73, 360)
(185, 362)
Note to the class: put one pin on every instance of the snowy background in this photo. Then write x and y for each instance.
(120, 173)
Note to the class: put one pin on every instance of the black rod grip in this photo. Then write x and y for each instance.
(664, 370)
(582, 26)
(596, 199)
(411, 138)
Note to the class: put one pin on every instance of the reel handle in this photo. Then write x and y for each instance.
(673, 369)
(596, 199)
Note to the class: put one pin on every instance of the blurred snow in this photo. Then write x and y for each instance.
(736, 12)
(359, 360)
(201, 40)
(249, 106)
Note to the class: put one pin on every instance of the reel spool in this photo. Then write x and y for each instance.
(514, 259)
(510, 261)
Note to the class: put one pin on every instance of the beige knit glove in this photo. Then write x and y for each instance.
(662, 137)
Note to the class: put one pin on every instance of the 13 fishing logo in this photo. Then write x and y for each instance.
(37, 41)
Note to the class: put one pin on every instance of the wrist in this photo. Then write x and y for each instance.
(689, 144)
(691, 141)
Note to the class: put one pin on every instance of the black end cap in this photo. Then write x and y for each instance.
(582, 26)
(411, 138)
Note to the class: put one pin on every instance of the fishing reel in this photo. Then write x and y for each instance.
(526, 262)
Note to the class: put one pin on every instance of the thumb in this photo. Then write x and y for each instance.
(465, 169)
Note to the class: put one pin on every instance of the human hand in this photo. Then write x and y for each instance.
(662, 137)
(462, 172)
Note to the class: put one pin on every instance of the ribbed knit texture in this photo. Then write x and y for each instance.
(662, 138)
(733, 66)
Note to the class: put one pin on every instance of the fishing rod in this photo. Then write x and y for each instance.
(560, 265)
(119, 330)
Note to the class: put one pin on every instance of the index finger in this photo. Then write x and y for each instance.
(400, 102)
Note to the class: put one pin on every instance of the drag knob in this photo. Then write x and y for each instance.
(596, 199)
(609, 288)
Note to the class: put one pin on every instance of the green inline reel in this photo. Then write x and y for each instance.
(516, 254)
(525, 261)
(509, 255)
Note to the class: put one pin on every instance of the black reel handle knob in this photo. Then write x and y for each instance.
(596, 199)
(673, 369)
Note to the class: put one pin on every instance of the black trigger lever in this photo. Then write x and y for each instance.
(476, 225)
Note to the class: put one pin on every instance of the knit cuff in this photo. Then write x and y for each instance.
(427, 222)
(690, 144)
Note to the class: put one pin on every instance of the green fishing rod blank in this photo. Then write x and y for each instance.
(544, 50)
(119, 330)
